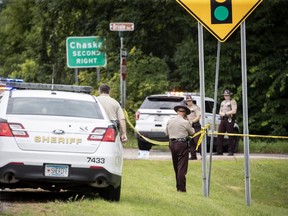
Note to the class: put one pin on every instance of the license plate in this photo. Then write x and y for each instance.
(158, 129)
(158, 118)
(56, 170)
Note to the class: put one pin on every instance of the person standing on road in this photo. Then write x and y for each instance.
(178, 129)
(228, 110)
(193, 118)
(113, 109)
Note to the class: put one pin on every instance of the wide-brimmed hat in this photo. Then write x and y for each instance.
(227, 92)
(183, 106)
(188, 98)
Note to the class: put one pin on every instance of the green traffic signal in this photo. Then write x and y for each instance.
(221, 11)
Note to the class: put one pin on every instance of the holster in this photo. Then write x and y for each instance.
(189, 141)
(116, 124)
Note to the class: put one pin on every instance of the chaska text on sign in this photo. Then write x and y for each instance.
(220, 17)
(85, 52)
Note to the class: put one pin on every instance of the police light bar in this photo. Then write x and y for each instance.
(52, 87)
(4, 88)
(6, 80)
(181, 93)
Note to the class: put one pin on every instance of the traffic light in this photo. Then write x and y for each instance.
(221, 11)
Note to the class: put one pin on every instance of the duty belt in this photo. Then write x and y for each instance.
(226, 118)
(178, 140)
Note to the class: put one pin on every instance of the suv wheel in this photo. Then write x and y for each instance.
(144, 145)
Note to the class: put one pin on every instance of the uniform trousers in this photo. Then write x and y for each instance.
(197, 128)
(225, 126)
(180, 158)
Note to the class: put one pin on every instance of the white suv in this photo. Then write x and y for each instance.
(156, 110)
(58, 137)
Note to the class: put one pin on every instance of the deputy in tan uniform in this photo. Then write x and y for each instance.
(228, 110)
(178, 129)
(113, 109)
(193, 118)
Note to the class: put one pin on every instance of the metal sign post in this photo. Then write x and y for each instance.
(121, 78)
(121, 27)
(214, 112)
(123, 74)
(245, 114)
(202, 95)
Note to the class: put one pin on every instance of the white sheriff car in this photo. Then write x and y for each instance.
(58, 137)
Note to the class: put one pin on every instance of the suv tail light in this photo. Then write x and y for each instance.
(103, 134)
(12, 129)
(137, 115)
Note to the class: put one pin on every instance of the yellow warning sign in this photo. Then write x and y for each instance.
(220, 17)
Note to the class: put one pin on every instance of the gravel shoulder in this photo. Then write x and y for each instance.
(135, 154)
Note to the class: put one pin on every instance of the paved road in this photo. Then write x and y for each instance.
(166, 155)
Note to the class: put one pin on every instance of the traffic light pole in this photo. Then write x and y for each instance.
(214, 112)
(202, 96)
(245, 114)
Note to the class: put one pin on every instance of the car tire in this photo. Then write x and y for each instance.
(144, 145)
(110, 193)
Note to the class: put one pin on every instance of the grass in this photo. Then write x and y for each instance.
(268, 146)
(148, 188)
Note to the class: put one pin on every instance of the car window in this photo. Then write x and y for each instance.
(161, 102)
(53, 106)
(209, 106)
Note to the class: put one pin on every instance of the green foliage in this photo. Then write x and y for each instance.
(146, 74)
(27, 71)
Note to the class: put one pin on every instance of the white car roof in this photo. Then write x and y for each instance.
(54, 94)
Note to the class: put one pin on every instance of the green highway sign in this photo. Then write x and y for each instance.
(85, 52)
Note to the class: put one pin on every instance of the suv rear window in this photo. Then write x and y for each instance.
(209, 106)
(55, 107)
(163, 102)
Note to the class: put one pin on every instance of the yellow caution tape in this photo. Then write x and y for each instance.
(145, 138)
(202, 132)
(248, 135)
